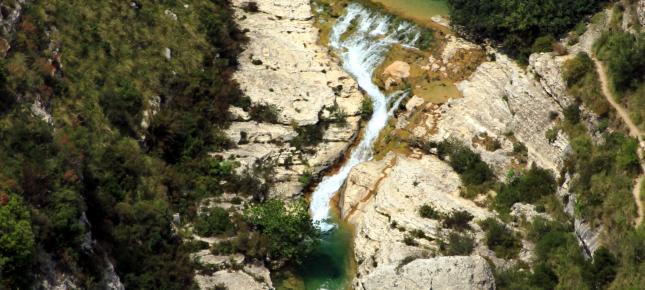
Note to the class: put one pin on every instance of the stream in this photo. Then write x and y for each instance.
(361, 37)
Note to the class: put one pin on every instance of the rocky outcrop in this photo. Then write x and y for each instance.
(396, 73)
(284, 68)
(501, 99)
(382, 199)
(233, 280)
(436, 273)
(640, 11)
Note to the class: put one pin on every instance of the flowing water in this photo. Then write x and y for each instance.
(361, 37)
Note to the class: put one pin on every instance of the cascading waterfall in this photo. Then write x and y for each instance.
(362, 38)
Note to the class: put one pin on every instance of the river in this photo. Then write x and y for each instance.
(361, 37)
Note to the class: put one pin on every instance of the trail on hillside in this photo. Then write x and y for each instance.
(634, 131)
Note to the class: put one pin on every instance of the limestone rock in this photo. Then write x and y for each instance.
(253, 132)
(640, 11)
(527, 212)
(381, 196)
(549, 68)
(232, 280)
(413, 103)
(396, 73)
(500, 97)
(284, 66)
(454, 45)
(437, 273)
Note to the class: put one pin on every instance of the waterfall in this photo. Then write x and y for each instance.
(362, 37)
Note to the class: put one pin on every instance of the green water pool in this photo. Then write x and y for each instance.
(329, 267)
(417, 10)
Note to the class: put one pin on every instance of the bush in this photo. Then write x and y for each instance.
(624, 54)
(367, 108)
(528, 187)
(251, 7)
(500, 239)
(288, 228)
(472, 169)
(572, 114)
(458, 220)
(457, 245)
(543, 44)
(427, 211)
(264, 113)
(215, 222)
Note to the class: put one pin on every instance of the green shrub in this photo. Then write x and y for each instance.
(528, 187)
(409, 240)
(624, 55)
(572, 114)
(552, 134)
(215, 222)
(427, 211)
(500, 239)
(472, 169)
(264, 113)
(543, 44)
(457, 245)
(367, 108)
(458, 220)
(288, 228)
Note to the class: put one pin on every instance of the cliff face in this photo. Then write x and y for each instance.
(502, 103)
(284, 68)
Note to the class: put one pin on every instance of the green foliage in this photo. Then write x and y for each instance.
(107, 66)
(517, 24)
(458, 220)
(543, 44)
(264, 113)
(16, 243)
(552, 134)
(572, 114)
(457, 244)
(288, 228)
(605, 174)
(624, 54)
(500, 239)
(583, 83)
(367, 108)
(309, 135)
(215, 222)
(527, 187)
(472, 170)
(427, 211)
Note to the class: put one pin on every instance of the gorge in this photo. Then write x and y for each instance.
(322, 144)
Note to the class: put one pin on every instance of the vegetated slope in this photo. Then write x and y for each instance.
(99, 68)
(603, 167)
(520, 26)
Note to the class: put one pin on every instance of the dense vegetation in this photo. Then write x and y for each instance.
(521, 26)
(624, 56)
(100, 67)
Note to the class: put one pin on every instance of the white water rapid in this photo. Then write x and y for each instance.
(362, 37)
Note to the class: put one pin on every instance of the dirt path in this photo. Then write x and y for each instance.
(634, 131)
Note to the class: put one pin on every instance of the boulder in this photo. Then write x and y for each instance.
(396, 73)
(437, 273)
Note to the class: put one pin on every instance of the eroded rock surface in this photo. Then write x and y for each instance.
(283, 67)
(382, 199)
(437, 273)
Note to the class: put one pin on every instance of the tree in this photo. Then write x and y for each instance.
(215, 222)
(288, 227)
(16, 243)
